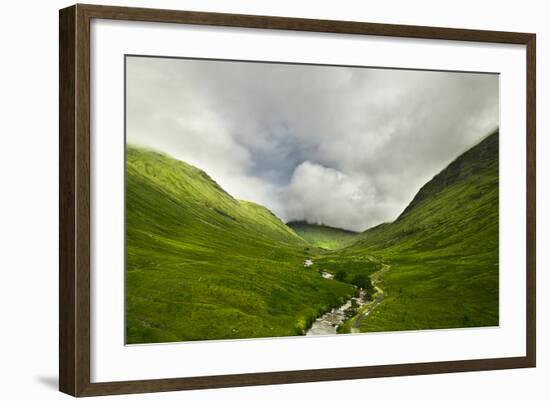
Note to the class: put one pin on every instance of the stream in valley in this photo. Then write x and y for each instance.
(327, 323)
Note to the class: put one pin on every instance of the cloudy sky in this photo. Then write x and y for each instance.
(347, 147)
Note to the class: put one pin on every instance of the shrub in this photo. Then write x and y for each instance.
(363, 281)
(341, 275)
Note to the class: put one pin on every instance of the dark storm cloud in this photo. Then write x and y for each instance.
(347, 147)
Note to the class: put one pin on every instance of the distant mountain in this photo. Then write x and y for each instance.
(201, 264)
(443, 249)
(322, 236)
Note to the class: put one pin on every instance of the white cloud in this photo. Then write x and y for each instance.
(347, 147)
(319, 194)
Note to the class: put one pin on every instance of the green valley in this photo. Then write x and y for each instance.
(443, 250)
(323, 236)
(203, 265)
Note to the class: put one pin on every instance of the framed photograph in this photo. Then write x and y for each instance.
(250, 200)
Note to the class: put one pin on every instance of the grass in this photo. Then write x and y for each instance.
(202, 265)
(443, 250)
(322, 236)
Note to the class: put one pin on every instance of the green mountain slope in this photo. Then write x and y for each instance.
(203, 265)
(442, 250)
(323, 236)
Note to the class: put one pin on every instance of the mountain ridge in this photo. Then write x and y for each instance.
(323, 236)
(476, 156)
(202, 265)
(442, 251)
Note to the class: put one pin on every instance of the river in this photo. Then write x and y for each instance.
(327, 323)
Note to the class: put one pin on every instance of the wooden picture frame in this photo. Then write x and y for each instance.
(74, 203)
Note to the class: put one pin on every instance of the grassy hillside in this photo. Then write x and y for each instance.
(203, 265)
(442, 250)
(323, 236)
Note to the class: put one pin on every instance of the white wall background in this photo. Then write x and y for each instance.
(28, 197)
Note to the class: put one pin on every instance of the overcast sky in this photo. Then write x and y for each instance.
(347, 147)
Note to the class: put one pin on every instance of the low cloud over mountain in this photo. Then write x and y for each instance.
(347, 147)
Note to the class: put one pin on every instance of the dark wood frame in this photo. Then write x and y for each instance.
(74, 199)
